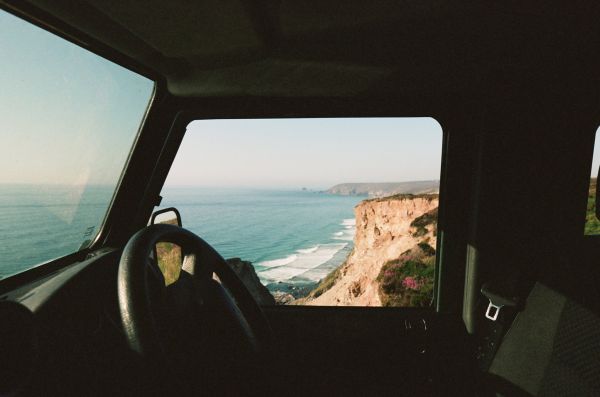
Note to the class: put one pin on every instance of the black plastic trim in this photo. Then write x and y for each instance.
(184, 118)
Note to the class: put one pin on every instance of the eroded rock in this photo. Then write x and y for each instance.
(245, 271)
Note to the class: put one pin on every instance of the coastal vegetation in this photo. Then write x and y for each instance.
(404, 196)
(169, 261)
(393, 259)
(408, 280)
(592, 224)
(169, 257)
(427, 219)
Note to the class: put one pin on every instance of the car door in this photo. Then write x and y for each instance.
(346, 275)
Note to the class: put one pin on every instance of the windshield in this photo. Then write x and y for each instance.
(68, 120)
(321, 212)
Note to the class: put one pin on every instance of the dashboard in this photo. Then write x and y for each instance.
(62, 333)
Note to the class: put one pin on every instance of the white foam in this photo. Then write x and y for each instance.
(279, 262)
(308, 250)
(301, 264)
(345, 236)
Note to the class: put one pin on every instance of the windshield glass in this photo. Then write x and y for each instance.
(320, 212)
(68, 120)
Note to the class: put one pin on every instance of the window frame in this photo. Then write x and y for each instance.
(281, 108)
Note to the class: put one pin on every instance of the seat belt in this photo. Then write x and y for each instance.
(505, 299)
(498, 298)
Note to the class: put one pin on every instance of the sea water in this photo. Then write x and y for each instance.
(39, 223)
(294, 237)
(290, 236)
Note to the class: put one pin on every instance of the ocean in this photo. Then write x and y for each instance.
(292, 237)
(39, 223)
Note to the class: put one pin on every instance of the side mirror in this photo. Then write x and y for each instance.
(170, 216)
(168, 256)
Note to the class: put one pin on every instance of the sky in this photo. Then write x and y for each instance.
(70, 117)
(67, 116)
(311, 153)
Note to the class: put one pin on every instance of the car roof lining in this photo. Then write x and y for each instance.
(324, 49)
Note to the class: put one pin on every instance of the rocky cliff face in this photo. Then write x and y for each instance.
(245, 271)
(383, 233)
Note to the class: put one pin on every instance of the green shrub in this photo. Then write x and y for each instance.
(408, 280)
(421, 223)
(405, 196)
(427, 249)
(592, 224)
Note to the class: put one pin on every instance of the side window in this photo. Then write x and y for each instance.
(329, 212)
(592, 224)
(68, 120)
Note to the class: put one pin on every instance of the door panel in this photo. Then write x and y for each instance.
(369, 351)
(355, 351)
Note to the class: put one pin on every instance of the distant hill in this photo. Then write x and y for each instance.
(385, 188)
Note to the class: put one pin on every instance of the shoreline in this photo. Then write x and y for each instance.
(300, 287)
(299, 272)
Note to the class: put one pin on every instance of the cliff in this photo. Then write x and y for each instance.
(392, 260)
(385, 188)
(245, 271)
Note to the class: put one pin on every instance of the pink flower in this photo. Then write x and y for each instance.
(411, 283)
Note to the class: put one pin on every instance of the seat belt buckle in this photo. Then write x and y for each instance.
(496, 301)
(492, 311)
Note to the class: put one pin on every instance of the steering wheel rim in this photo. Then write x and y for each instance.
(200, 260)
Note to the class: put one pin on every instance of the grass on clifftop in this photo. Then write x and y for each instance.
(404, 196)
(427, 219)
(592, 224)
(408, 280)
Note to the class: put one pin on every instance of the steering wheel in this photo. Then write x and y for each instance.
(196, 322)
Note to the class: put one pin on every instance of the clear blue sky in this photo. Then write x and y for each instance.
(312, 153)
(67, 116)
